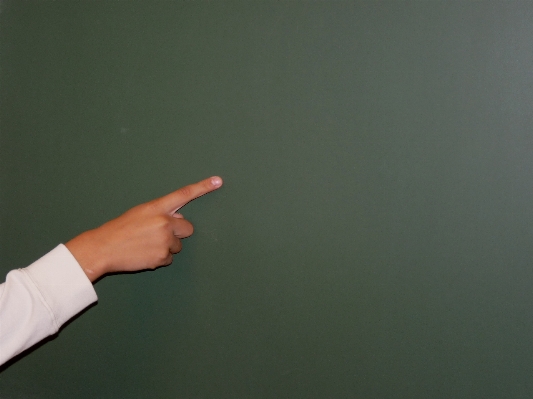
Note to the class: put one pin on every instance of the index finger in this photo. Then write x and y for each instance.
(172, 202)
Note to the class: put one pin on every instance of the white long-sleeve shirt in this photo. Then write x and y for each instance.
(37, 300)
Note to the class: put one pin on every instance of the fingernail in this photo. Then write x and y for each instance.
(216, 181)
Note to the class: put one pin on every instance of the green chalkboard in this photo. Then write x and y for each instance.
(374, 236)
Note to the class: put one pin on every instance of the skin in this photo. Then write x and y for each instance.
(145, 237)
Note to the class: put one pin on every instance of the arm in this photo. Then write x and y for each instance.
(37, 300)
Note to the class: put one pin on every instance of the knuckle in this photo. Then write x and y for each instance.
(162, 255)
(186, 191)
(162, 221)
(149, 207)
(163, 227)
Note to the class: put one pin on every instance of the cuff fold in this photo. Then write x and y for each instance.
(62, 283)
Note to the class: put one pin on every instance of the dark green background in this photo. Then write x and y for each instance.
(374, 235)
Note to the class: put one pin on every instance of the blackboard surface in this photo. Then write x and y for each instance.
(374, 235)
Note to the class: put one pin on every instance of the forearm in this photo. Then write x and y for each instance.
(37, 300)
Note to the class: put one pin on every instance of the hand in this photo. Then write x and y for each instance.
(144, 237)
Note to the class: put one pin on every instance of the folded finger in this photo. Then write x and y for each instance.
(175, 246)
(181, 228)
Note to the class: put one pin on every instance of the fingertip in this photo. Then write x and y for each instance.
(178, 215)
(216, 181)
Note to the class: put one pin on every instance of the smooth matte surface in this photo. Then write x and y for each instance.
(374, 235)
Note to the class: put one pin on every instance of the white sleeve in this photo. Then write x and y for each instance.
(37, 300)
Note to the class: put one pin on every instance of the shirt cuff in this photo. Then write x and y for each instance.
(62, 283)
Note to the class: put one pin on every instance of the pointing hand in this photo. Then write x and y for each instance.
(144, 237)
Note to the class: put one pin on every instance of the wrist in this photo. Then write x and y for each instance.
(87, 252)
